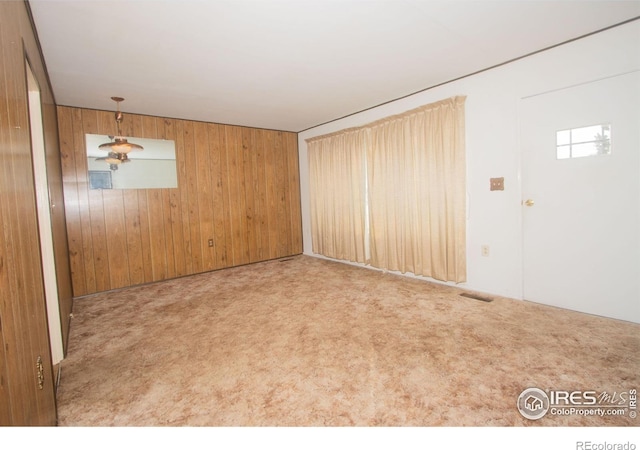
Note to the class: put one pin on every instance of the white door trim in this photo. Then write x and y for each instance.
(44, 217)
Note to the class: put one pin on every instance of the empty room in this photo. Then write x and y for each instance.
(320, 214)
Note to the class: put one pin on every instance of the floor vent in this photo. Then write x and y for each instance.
(477, 297)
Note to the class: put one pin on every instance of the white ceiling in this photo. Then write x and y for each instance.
(284, 64)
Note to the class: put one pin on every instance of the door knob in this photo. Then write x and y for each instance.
(528, 202)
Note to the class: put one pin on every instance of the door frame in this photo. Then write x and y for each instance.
(36, 127)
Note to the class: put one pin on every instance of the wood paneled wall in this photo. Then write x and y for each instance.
(238, 186)
(23, 319)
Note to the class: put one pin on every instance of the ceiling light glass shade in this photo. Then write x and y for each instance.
(120, 145)
(115, 159)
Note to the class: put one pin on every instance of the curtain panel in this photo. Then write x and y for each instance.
(338, 201)
(412, 169)
(417, 192)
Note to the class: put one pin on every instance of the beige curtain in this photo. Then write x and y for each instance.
(338, 201)
(392, 193)
(416, 182)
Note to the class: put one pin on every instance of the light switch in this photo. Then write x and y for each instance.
(497, 184)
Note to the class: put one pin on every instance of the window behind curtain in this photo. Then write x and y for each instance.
(412, 169)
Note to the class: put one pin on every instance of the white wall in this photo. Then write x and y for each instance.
(493, 97)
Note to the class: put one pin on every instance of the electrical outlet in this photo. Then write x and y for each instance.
(210, 242)
(484, 250)
(496, 184)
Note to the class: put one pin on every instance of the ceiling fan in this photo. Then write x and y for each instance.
(114, 159)
(118, 147)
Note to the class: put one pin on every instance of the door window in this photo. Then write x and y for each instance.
(593, 140)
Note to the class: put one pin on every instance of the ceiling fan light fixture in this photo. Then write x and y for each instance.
(117, 158)
(119, 144)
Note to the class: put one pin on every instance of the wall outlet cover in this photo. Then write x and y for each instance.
(496, 184)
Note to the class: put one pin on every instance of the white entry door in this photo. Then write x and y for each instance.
(581, 214)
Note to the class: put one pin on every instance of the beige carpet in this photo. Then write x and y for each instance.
(308, 342)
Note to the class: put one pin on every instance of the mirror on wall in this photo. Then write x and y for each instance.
(154, 167)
